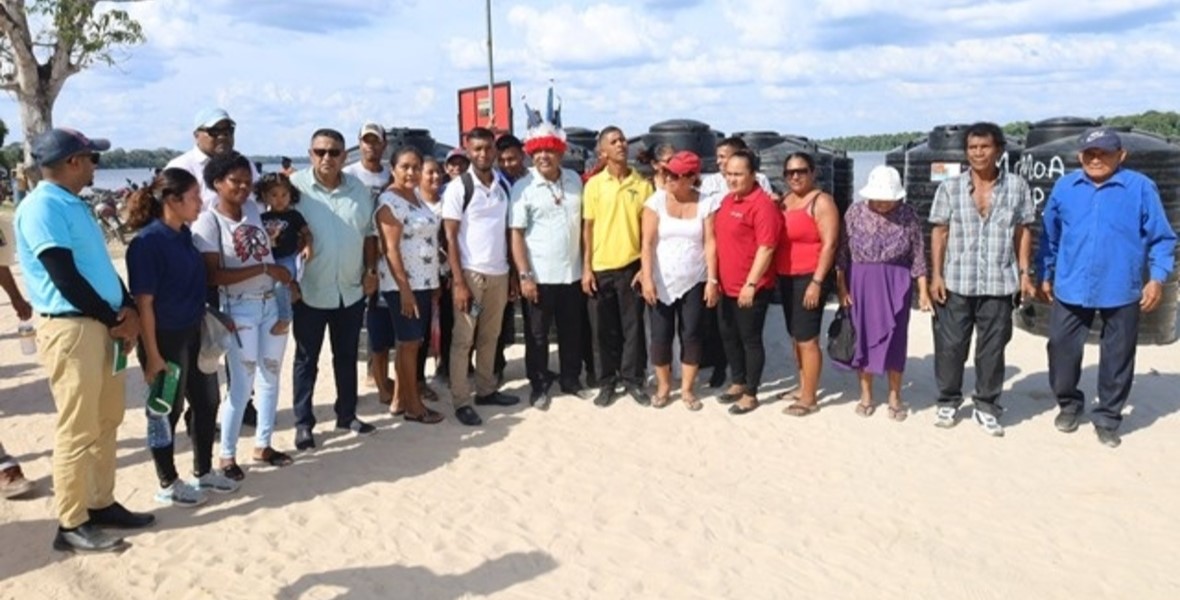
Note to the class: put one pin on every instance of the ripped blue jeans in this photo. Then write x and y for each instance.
(254, 365)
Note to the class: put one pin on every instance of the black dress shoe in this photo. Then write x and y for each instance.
(496, 399)
(1068, 421)
(539, 399)
(639, 396)
(304, 440)
(118, 517)
(357, 427)
(605, 396)
(87, 538)
(467, 416)
(579, 392)
(1108, 437)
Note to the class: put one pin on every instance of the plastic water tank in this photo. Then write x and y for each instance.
(581, 136)
(773, 158)
(1149, 154)
(686, 134)
(760, 140)
(843, 179)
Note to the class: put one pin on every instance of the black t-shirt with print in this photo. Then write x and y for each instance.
(284, 228)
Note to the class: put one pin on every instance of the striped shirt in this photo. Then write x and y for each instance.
(981, 254)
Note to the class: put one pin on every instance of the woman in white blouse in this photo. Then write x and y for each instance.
(408, 274)
(676, 264)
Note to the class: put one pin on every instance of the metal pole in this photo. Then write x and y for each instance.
(491, 71)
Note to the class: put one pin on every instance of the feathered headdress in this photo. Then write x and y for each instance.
(544, 133)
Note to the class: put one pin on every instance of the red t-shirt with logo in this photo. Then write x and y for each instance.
(742, 225)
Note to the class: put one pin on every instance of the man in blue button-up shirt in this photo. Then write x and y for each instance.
(1104, 228)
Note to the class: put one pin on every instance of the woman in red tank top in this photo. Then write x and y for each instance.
(803, 259)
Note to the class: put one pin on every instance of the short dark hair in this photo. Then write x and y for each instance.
(480, 133)
(748, 156)
(734, 142)
(329, 133)
(273, 180)
(805, 157)
(219, 166)
(985, 129)
(609, 129)
(286, 162)
(507, 141)
(147, 203)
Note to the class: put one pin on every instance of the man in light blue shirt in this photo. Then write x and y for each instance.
(1103, 227)
(546, 224)
(88, 318)
(338, 209)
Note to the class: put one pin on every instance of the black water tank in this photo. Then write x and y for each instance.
(686, 134)
(581, 136)
(1149, 154)
(843, 179)
(1056, 128)
(576, 158)
(760, 140)
(773, 157)
(405, 136)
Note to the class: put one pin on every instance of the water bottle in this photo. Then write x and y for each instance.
(28, 337)
(159, 433)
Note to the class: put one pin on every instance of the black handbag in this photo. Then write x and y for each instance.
(841, 337)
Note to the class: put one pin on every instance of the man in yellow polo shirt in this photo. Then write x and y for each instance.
(612, 208)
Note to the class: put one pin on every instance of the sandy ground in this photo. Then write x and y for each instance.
(626, 502)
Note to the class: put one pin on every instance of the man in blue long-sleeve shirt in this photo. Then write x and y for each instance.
(1104, 229)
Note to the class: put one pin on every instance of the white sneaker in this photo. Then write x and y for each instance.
(216, 482)
(945, 417)
(988, 423)
(180, 493)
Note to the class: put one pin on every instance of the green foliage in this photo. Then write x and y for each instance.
(1166, 124)
(89, 37)
(118, 158)
(3, 131)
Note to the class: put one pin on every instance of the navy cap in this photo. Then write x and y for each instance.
(1102, 138)
(57, 144)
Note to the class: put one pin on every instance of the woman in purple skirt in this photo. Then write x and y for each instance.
(881, 255)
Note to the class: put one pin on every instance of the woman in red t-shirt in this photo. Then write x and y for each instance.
(805, 255)
(747, 227)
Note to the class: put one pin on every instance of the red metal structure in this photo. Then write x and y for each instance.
(474, 108)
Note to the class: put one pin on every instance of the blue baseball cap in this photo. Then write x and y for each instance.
(1102, 138)
(57, 144)
(209, 117)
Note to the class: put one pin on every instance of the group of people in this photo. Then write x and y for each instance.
(433, 256)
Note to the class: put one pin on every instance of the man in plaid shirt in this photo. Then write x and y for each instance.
(981, 251)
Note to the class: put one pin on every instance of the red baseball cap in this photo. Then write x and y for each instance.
(684, 163)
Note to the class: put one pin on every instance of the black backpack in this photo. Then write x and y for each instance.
(469, 188)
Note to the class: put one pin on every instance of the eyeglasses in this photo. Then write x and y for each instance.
(219, 131)
(789, 173)
(332, 152)
(670, 176)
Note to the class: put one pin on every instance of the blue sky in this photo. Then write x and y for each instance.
(819, 68)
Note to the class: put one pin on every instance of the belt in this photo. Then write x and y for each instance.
(65, 315)
(262, 296)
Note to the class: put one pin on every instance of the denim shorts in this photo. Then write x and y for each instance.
(409, 329)
(379, 323)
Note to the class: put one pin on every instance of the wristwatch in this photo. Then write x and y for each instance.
(527, 276)
(753, 285)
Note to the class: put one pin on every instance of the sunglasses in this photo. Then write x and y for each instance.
(670, 176)
(332, 152)
(788, 173)
(219, 131)
(93, 156)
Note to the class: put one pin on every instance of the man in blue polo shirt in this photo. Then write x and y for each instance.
(1104, 226)
(86, 314)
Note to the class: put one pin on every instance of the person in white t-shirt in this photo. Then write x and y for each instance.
(239, 260)
(475, 215)
(714, 184)
(679, 274)
(213, 134)
(376, 176)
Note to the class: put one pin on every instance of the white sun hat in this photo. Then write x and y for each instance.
(884, 184)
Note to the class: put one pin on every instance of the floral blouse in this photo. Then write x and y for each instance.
(419, 243)
(893, 238)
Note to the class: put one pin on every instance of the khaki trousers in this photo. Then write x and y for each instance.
(490, 292)
(78, 354)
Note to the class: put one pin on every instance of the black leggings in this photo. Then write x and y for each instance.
(686, 317)
(182, 346)
(741, 332)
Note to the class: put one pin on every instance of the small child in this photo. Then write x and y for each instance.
(289, 237)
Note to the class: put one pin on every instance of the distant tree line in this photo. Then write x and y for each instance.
(1166, 124)
(118, 158)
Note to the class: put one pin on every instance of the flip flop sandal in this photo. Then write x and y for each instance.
(899, 413)
(693, 404)
(661, 401)
(274, 458)
(738, 409)
(430, 417)
(234, 472)
(799, 409)
(791, 394)
(728, 398)
(865, 410)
